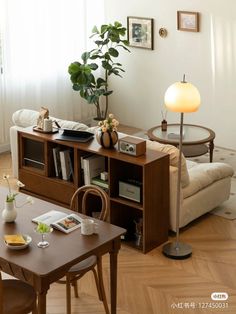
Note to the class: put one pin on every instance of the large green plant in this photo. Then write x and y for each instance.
(108, 40)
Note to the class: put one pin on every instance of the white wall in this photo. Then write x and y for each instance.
(208, 59)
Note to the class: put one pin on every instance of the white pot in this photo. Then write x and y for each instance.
(9, 213)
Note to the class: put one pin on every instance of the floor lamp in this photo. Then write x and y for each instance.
(180, 97)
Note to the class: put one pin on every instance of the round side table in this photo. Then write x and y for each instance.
(197, 140)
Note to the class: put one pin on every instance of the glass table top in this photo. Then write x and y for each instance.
(191, 134)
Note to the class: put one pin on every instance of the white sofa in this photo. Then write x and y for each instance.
(204, 186)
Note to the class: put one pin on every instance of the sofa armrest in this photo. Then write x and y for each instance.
(14, 149)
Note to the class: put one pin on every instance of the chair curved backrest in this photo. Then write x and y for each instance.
(91, 189)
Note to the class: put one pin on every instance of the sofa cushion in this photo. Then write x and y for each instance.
(203, 174)
(174, 158)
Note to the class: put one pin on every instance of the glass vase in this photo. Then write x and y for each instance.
(43, 243)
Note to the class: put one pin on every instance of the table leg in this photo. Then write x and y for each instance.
(113, 274)
(42, 302)
(211, 148)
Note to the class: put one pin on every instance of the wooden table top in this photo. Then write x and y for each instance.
(64, 249)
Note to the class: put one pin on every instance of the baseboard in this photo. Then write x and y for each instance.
(4, 148)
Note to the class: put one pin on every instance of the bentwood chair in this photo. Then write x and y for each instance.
(93, 263)
(17, 297)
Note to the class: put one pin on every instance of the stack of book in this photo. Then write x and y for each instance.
(92, 166)
(62, 163)
(99, 182)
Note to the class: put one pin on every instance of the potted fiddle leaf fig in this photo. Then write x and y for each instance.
(85, 75)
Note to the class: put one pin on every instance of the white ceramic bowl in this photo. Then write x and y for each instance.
(27, 238)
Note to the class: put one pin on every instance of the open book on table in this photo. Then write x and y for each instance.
(59, 220)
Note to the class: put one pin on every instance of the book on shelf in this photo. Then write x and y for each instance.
(98, 181)
(93, 166)
(57, 161)
(59, 220)
(66, 164)
(84, 157)
(82, 166)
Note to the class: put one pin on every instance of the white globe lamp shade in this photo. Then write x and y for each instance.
(182, 97)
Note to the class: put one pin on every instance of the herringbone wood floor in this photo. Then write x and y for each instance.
(154, 284)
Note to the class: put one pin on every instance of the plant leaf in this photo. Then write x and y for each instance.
(113, 52)
(95, 30)
(107, 93)
(104, 28)
(117, 24)
(74, 67)
(93, 66)
(85, 56)
(106, 65)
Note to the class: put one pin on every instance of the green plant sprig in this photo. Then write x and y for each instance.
(43, 228)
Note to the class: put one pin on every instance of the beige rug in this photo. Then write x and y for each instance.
(227, 209)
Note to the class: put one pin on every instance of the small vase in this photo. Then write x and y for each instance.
(107, 139)
(9, 213)
(164, 125)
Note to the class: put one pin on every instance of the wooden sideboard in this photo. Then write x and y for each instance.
(37, 172)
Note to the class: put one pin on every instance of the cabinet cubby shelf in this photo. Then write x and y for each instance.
(127, 202)
(150, 169)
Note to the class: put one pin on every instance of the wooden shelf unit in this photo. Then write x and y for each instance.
(37, 172)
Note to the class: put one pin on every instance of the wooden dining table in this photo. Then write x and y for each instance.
(40, 267)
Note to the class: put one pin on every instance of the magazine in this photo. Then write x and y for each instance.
(59, 220)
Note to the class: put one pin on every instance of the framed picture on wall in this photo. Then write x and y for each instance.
(140, 32)
(188, 21)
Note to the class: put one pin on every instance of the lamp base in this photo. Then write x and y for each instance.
(177, 250)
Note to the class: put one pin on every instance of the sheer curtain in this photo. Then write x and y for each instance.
(40, 38)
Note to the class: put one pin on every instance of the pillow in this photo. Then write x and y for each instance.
(25, 117)
(72, 125)
(174, 158)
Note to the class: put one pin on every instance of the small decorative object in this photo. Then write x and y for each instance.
(43, 229)
(47, 125)
(163, 32)
(132, 146)
(104, 175)
(188, 21)
(139, 232)
(164, 122)
(107, 135)
(88, 226)
(43, 114)
(164, 125)
(9, 213)
(140, 32)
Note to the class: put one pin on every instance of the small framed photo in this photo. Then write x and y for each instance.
(140, 32)
(188, 21)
